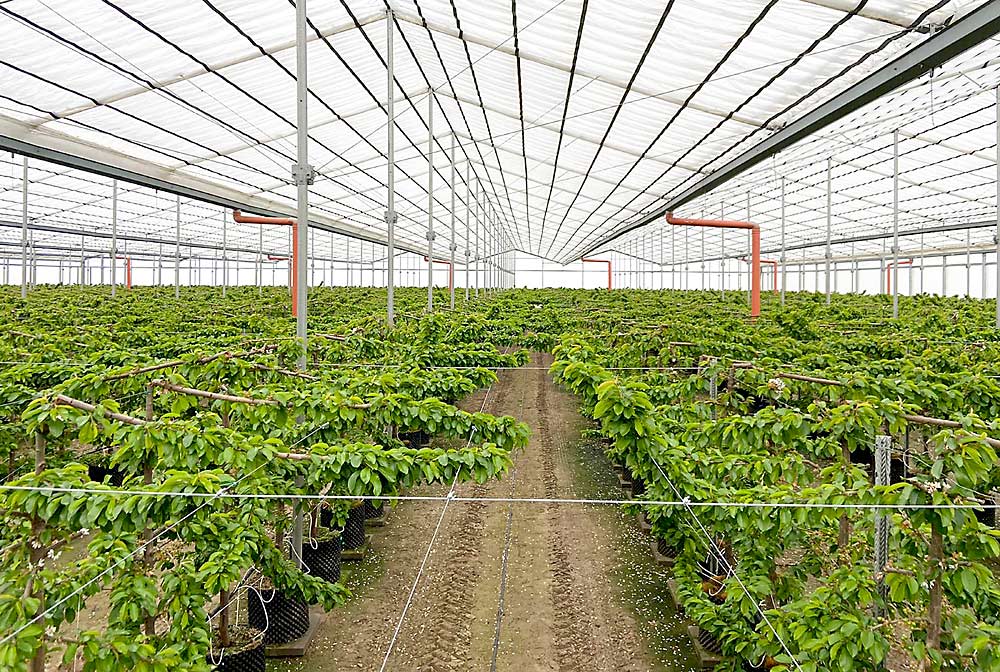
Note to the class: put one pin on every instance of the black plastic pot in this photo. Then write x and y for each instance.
(354, 531)
(664, 548)
(283, 619)
(417, 439)
(373, 510)
(247, 660)
(709, 643)
(98, 472)
(324, 560)
(638, 487)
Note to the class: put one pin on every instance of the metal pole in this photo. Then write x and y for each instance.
(303, 176)
(83, 260)
(829, 224)
(749, 253)
(468, 209)
(895, 224)
(114, 236)
(260, 261)
(451, 247)
(782, 258)
(390, 213)
(24, 234)
(177, 252)
(430, 201)
(997, 235)
(968, 263)
(225, 264)
(479, 191)
(883, 450)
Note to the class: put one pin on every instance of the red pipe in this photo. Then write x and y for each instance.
(240, 218)
(601, 261)
(271, 257)
(451, 271)
(888, 275)
(128, 271)
(754, 250)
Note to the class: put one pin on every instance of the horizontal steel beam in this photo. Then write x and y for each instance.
(975, 27)
(65, 150)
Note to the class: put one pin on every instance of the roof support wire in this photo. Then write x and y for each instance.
(562, 124)
(614, 117)
(746, 138)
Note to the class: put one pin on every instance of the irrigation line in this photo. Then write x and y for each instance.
(450, 497)
(142, 547)
(684, 502)
(725, 563)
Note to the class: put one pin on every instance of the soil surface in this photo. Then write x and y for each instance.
(581, 592)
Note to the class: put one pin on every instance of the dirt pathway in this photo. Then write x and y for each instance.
(581, 594)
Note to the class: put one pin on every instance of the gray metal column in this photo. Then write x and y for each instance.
(722, 262)
(83, 260)
(24, 234)
(704, 283)
(944, 275)
(895, 223)
(997, 234)
(829, 225)
(968, 263)
(177, 252)
(114, 236)
(883, 451)
(430, 200)
(782, 257)
(303, 177)
(451, 246)
(390, 213)
(479, 191)
(260, 261)
(225, 261)
(468, 231)
(749, 255)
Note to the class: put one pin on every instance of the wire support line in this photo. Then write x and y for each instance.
(450, 497)
(141, 547)
(458, 499)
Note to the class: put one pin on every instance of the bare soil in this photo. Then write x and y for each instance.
(581, 593)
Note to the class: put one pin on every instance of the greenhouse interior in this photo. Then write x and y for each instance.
(540, 335)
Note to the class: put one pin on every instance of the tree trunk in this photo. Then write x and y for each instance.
(224, 618)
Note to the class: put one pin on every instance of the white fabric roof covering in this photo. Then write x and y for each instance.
(570, 119)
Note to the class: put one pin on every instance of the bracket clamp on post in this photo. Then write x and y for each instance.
(430, 236)
(303, 174)
(453, 247)
(391, 217)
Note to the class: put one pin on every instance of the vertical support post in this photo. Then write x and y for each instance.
(177, 251)
(479, 191)
(722, 263)
(114, 236)
(883, 450)
(895, 224)
(704, 283)
(996, 236)
(468, 230)
(260, 261)
(225, 260)
(390, 212)
(749, 255)
(430, 200)
(782, 258)
(451, 246)
(968, 263)
(303, 174)
(829, 223)
(24, 232)
(83, 261)
(944, 275)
